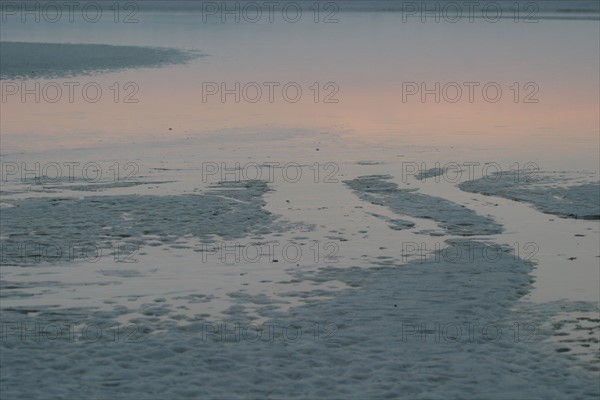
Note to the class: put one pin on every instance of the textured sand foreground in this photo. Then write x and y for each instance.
(369, 323)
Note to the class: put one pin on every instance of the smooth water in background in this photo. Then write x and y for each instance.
(366, 55)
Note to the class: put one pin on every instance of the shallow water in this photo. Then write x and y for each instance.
(181, 211)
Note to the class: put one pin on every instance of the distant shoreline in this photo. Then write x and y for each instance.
(544, 9)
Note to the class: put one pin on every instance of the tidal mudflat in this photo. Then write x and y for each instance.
(189, 245)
